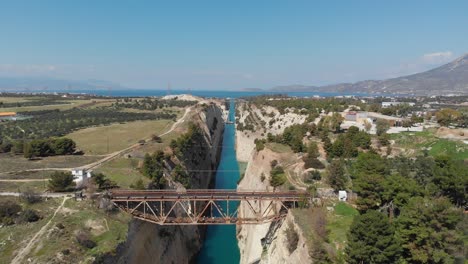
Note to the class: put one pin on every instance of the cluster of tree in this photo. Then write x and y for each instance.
(102, 182)
(48, 147)
(39, 147)
(448, 116)
(148, 103)
(305, 105)
(186, 140)
(410, 209)
(153, 168)
(36, 102)
(56, 124)
(331, 123)
(61, 181)
(277, 176)
(179, 174)
(311, 159)
(347, 145)
(11, 213)
(292, 136)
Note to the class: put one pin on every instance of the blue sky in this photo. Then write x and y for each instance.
(228, 44)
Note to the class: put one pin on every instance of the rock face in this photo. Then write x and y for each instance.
(267, 119)
(278, 251)
(151, 243)
(274, 248)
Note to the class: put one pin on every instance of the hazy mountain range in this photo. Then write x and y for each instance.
(49, 84)
(451, 78)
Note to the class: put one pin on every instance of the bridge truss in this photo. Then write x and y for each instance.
(207, 207)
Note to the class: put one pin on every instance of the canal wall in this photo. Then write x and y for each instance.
(266, 243)
(151, 243)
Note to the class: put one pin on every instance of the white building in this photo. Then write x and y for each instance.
(342, 196)
(81, 176)
(390, 104)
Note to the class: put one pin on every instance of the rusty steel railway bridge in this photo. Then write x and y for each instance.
(207, 207)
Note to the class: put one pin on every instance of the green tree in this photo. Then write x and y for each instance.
(447, 116)
(337, 177)
(27, 151)
(277, 176)
(312, 150)
(371, 239)
(61, 182)
(451, 177)
(63, 146)
(427, 229)
(369, 188)
(381, 127)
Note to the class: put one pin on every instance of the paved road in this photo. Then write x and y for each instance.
(48, 195)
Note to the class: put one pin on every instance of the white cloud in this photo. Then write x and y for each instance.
(437, 57)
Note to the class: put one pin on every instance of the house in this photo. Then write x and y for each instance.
(342, 196)
(81, 176)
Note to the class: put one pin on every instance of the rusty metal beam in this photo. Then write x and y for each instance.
(132, 201)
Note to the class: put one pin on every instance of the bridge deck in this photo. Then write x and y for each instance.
(205, 194)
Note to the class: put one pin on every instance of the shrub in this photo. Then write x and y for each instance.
(84, 239)
(8, 210)
(139, 185)
(312, 176)
(273, 163)
(31, 197)
(156, 138)
(311, 162)
(29, 216)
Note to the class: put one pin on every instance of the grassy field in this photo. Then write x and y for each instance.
(419, 141)
(108, 139)
(37, 186)
(106, 229)
(279, 148)
(18, 163)
(338, 224)
(123, 171)
(454, 149)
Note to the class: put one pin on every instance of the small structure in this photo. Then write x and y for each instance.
(390, 104)
(7, 116)
(81, 176)
(350, 116)
(342, 196)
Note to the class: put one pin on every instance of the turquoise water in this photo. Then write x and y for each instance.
(220, 245)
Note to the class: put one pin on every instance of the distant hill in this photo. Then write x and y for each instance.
(251, 90)
(451, 78)
(50, 84)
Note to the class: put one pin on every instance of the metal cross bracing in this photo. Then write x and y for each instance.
(207, 207)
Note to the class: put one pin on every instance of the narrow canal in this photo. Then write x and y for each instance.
(221, 244)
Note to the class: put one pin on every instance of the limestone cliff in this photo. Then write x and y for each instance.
(151, 243)
(266, 243)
